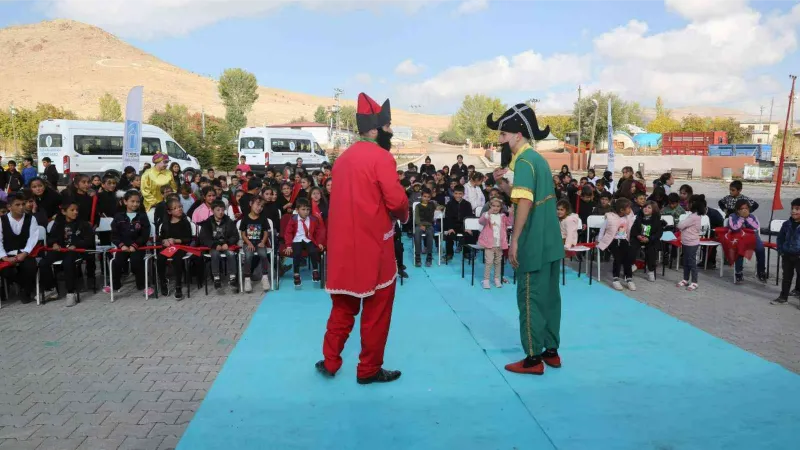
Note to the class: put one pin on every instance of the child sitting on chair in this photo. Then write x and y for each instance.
(570, 223)
(68, 232)
(304, 233)
(176, 230)
(742, 219)
(255, 237)
(219, 233)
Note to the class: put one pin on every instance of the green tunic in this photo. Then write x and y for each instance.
(539, 252)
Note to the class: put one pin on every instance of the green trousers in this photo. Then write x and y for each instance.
(539, 302)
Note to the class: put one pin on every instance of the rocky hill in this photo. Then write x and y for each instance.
(72, 64)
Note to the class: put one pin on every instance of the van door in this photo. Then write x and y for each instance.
(252, 148)
(178, 154)
(96, 152)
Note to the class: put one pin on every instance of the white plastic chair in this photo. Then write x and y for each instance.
(705, 231)
(577, 248)
(595, 223)
(774, 227)
(473, 225)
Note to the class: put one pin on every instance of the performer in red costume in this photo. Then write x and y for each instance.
(366, 200)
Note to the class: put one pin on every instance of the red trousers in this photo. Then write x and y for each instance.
(375, 320)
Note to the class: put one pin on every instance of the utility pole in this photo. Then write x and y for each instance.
(14, 128)
(760, 115)
(337, 94)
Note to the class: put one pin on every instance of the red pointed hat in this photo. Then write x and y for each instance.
(367, 113)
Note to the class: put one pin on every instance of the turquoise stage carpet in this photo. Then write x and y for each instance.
(633, 378)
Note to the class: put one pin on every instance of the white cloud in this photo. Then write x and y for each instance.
(527, 71)
(713, 59)
(408, 67)
(148, 19)
(472, 6)
(363, 78)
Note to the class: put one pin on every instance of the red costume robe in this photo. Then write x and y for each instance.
(365, 202)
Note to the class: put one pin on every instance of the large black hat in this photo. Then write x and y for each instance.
(519, 119)
(385, 116)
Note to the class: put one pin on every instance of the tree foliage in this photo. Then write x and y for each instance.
(300, 119)
(238, 91)
(622, 113)
(559, 125)
(663, 124)
(469, 122)
(452, 137)
(695, 123)
(321, 115)
(736, 134)
(110, 109)
(26, 123)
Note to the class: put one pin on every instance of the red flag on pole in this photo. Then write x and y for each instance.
(777, 205)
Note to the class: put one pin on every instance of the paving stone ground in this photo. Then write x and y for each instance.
(127, 375)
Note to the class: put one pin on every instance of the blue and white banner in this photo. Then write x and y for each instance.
(610, 140)
(132, 134)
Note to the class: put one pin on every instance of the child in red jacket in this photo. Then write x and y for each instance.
(304, 233)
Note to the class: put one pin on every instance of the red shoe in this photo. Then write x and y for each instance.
(552, 361)
(519, 367)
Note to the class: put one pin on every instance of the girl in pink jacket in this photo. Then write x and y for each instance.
(690, 229)
(616, 236)
(570, 223)
(494, 239)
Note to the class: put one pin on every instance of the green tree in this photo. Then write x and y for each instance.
(622, 113)
(736, 134)
(321, 115)
(695, 123)
(176, 120)
(452, 137)
(110, 109)
(470, 119)
(347, 115)
(663, 124)
(300, 119)
(559, 125)
(238, 91)
(660, 110)
(26, 124)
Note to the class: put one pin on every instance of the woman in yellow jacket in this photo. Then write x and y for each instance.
(154, 178)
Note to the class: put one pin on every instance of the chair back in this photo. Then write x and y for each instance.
(104, 225)
(43, 233)
(705, 226)
(414, 215)
(683, 216)
(775, 225)
(478, 211)
(271, 233)
(472, 225)
(595, 222)
(669, 220)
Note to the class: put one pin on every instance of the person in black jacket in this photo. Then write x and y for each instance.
(15, 182)
(219, 233)
(175, 230)
(456, 211)
(79, 191)
(646, 233)
(48, 200)
(50, 173)
(68, 232)
(130, 231)
(427, 168)
(19, 233)
(459, 169)
(128, 175)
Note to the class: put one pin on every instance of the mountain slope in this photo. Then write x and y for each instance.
(72, 64)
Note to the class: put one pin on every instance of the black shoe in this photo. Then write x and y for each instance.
(383, 376)
(320, 365)
(178, 293)
(739, 278)
(232, 282)
(297, 281)
(402, 273)
(428, 262)
(795, 293)
(315, 277)
(762, 277)
(779, 301)
(26, 298)
(164, 290)
(417, 261)
(217, 283)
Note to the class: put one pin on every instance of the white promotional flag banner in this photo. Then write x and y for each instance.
(132, 145)
(610, 141)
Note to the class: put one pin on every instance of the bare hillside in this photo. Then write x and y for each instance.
(72, 64)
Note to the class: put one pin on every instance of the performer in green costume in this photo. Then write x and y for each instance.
(536, 248)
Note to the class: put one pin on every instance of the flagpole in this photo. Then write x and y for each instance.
(776, 198)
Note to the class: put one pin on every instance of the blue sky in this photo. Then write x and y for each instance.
(729, 53)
